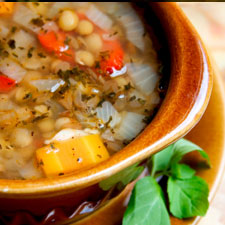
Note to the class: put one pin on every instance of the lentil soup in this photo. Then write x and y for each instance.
(78, 82)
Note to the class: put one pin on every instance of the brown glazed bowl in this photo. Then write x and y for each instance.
(45, 201)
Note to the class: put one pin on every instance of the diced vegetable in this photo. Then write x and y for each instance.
(99, 18)
(108, 114)
(24, 41)
(6, 84)
(12, 69)
(55, 42)
(133, 26)
(24, 19)
(111, 57)
(143, 76)
(63, 157)
(6, 7)
(4, 30)
(131, 125)
(47, 84)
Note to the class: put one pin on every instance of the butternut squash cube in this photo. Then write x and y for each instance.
(6, 7)
(70, 155)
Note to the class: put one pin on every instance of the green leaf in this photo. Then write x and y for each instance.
(182, 147)
(163, 160)
(188, 198)
(124, 177)
(160, 161)
(146, 205)
(182, 171)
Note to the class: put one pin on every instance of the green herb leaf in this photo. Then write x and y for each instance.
(161, 161)
(182, 171)
(12, 43)
(183, 146)
(37, 22)
(188, 197)
(124, 177)
(146, 205)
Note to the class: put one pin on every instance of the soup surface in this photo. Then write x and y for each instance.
(78, 81)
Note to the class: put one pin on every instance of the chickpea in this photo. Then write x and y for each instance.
(85, 27)
(85, 58)
(21, 137)
(46, 125)
(93, 42)
(61, 122)
(22, 94)
(68, 20)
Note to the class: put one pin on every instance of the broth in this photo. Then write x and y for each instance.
(78, 82)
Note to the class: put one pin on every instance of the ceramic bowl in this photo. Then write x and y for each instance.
(185, 102)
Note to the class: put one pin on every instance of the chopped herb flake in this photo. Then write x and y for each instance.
(37, 22)
(12, 44)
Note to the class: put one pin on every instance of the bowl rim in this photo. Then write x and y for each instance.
(188, 57)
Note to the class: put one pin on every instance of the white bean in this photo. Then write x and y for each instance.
(85, 27)
(21, 137)
(61, 122)
(93, 42)
(68, 20)
(46, 125)
(85, 58)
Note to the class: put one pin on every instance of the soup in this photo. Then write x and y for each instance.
(78, 82)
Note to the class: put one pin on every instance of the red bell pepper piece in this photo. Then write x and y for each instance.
(55, 43)
(114, 57)
(6, 83)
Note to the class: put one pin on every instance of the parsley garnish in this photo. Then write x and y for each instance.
(67, 40)
(41, 117)
(13, 29)
(29, 53)
(27, 96)
(37, 22)
(128, 86)
(40, 54)
(3, 52)
(12, 44)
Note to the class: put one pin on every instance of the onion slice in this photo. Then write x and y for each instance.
(99, 18)
(106, 111)
(12, 69)
(143, 76)
(132, 24)
(24, 19)
(47, 84)
(131, 125)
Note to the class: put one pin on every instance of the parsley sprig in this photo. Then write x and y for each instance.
(187, 193)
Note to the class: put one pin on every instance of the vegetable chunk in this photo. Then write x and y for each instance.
(70, 155)
(6, 7)
(6, 83)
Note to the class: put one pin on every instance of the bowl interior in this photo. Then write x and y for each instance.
(186, 99)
